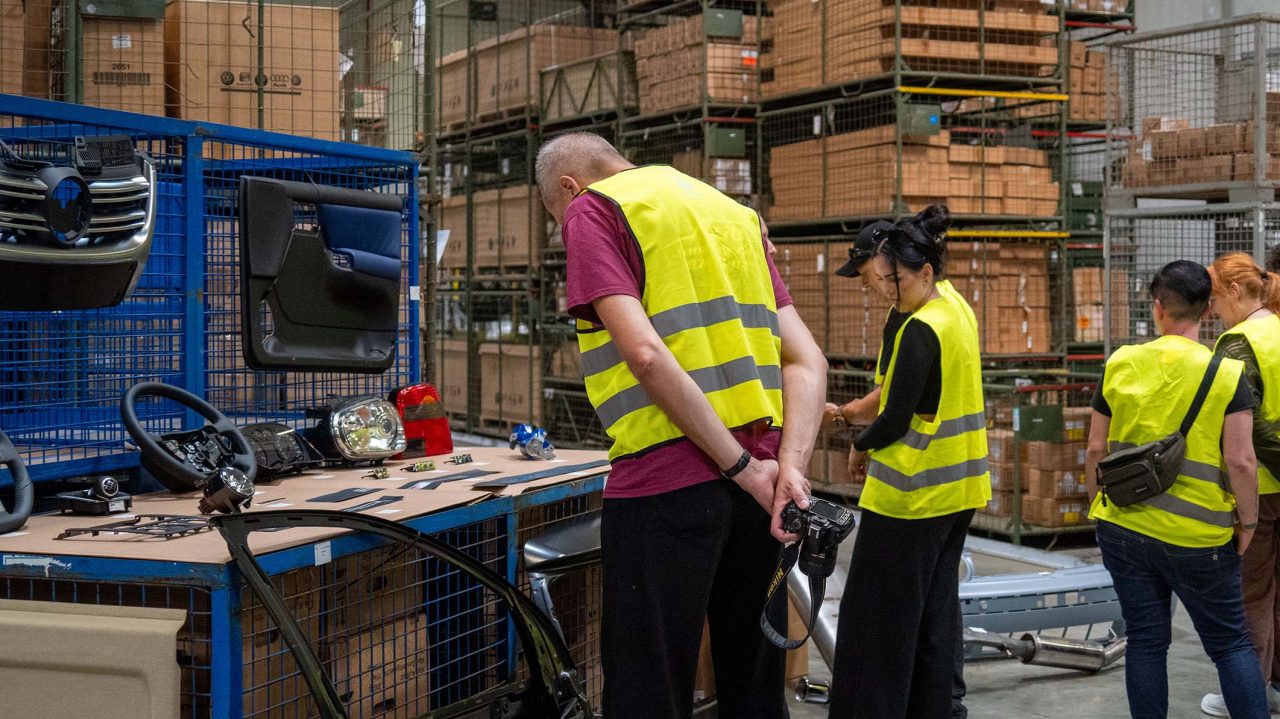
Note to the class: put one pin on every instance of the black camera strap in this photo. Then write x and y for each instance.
(817, 591)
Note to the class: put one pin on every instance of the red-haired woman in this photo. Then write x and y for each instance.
(1247, 298)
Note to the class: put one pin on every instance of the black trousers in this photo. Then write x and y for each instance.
(669, 561)
(896, 642)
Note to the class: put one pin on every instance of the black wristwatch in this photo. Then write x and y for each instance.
(736, 469)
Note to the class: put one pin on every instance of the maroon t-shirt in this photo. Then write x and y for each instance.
(604, 259)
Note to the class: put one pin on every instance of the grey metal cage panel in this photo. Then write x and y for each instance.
(1141, 241)
(1210, 75)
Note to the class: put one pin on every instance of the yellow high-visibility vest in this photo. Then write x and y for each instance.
(948, 292)
(1263, 334)
(708, 293)
(1149, 388)
(939, 466)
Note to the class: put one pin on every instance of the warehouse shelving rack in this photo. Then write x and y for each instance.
(1191, 157)
(708, 132)
(257, 65)
(508, 75)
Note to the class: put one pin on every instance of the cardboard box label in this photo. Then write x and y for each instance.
(121, 42)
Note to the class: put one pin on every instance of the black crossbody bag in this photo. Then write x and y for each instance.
(1137, 473)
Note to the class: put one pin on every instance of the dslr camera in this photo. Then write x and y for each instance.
(822, 527)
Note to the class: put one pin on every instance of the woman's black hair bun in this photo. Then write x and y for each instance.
(934, 219)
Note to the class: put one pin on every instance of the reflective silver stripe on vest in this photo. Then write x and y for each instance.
(684, 317)
(1181, 507)
(948, 428)
(1190, 467)
(930, 477)
(708, 379)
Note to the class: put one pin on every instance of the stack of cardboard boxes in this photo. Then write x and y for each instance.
(842, 41)
(1090, 307)
(508, 230)
(366, 624)
(859, 173)
(1171, 152)
(212, 72)
(673, 61)
(499, 77)
(730, 175)
(1087, 79)
(1005, 283)
(1053, 490)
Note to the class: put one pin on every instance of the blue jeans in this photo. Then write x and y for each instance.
(1207, 582)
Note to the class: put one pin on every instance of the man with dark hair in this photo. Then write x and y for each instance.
(711, 388)
(1182, 288)
(1187, 540)
(1273, 260)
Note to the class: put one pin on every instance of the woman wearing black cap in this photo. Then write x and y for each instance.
(899, 619)
(932, 222)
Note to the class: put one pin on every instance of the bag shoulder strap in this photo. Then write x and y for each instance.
(1201, 394)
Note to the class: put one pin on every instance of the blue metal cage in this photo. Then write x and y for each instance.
(62, 373)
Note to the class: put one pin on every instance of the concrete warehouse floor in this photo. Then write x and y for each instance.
(1008, 688)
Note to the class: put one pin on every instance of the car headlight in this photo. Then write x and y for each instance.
(366, 428)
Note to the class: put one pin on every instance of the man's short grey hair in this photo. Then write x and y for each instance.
(580, 154)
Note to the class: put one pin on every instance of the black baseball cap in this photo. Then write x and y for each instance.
(864, 247)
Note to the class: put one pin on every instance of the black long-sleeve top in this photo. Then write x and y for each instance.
(916, 387)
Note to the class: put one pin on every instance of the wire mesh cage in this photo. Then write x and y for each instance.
(399, 632)
(1196, 111)
(64, 372)
(846, 42)
(491, 55)
(1140, 242)
(696, 54)
(493, 229)
(332, 71)
(577, 596)
(891, 154)
(194, 643)
(718, 152)
(1037, 428)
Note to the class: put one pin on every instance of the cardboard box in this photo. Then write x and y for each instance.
(501, 74)
(451, 375)
(384, 672)
(1079, 54)
(1191, 142)
(1062, 512)
(1031, 510)
(1243, 167)
(1075, 423)
(1002, 476)
(373, 587)
(1057, 483)
(124, 63)
(12, 46)
(1056, 455)
(1225, 139)
(1152, 125)
(212, 72)
(1001, 504)
(1000, 446)
(511, 382)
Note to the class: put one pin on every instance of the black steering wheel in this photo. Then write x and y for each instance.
(184, 461)
(23, 491)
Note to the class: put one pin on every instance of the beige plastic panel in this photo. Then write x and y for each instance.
(70, 661)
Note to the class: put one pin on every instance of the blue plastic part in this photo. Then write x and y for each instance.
(62, 373)
(369, 238)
